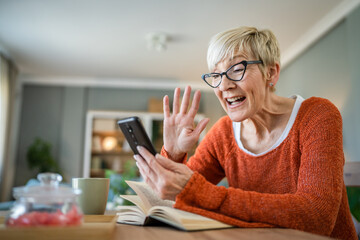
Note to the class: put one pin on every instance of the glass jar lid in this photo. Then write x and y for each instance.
(48, 190)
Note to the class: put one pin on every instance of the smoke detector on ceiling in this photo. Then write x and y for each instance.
(157, 41)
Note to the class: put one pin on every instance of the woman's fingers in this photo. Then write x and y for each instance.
(176, 101)
(201, 126)
(146, 177)
(144, 167)
(195, 104)
(185, 100)
(152, 164)
(184, 104)
(166, 107)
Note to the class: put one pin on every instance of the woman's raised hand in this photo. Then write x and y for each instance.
(180, 132)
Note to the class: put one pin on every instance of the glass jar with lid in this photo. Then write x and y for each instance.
(47, 204)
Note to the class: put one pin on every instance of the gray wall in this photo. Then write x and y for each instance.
(57, 114)
(41, 116)
(330, 69)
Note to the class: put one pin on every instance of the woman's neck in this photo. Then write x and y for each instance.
(267, 125)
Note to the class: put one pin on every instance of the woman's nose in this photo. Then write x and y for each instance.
(226, 83)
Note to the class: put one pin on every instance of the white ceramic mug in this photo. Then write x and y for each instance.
(94, 194)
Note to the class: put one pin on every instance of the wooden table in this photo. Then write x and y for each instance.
(129, 232)
(126, 232)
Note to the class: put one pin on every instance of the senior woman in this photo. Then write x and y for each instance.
(282, 157)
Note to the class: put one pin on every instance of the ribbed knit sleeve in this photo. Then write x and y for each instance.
(301, 182)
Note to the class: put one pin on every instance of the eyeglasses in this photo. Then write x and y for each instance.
(235, 73)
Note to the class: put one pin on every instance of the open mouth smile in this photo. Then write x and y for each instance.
(235, 100)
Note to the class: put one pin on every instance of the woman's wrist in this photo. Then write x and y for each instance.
(176, 157)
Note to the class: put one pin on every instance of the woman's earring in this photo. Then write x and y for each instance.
(271, 84)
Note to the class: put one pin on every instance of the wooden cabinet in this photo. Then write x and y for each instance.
(105, 145)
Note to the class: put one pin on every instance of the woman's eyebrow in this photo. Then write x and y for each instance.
(237, 56)
(232, 58)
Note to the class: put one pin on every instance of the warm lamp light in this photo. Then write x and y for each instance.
(109, 143)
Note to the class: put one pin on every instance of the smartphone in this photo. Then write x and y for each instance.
(135, 134)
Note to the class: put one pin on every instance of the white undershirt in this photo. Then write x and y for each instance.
(237, 128)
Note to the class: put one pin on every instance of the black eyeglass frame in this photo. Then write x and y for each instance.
(245, 63)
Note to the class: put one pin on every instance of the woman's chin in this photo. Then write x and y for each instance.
(235, 117)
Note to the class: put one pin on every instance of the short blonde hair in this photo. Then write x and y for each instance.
(262, 45)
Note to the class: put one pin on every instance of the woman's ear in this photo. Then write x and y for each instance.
(273, 74)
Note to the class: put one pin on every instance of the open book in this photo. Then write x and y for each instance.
(150, 209)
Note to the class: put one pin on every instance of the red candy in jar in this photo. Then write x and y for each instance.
(45, 205)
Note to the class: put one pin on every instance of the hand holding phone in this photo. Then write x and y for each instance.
(135, 134)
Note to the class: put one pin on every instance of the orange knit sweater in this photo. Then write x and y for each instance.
(297, 185)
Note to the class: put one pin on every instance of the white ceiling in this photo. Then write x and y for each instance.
(106, 38)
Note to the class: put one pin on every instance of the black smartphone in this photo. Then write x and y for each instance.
(135, 134)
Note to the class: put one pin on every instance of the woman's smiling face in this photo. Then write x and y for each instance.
(241, 99)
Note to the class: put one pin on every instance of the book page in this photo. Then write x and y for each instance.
(148, 196)
(185, 220)
(135, 199)
(130, 215)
